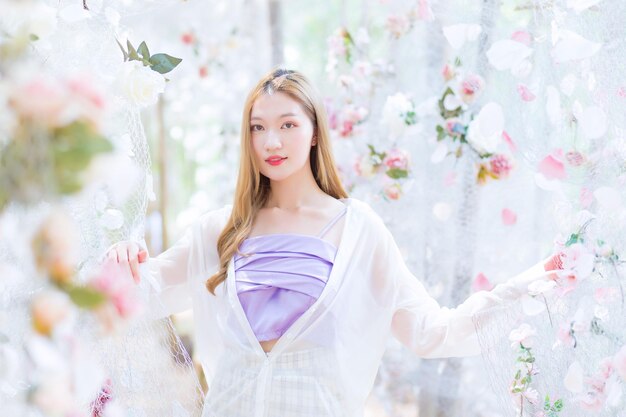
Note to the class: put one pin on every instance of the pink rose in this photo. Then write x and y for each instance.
(117, 284)
(346, 128)
(524, 93)
(393, 192)
(500, 165)
(575, 158)
(188, 38)
(471, 88)
(396, 158)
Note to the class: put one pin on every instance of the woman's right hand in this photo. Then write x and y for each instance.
(129, 254)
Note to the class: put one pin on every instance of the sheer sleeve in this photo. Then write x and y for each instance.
(171, 272)
(432, 331)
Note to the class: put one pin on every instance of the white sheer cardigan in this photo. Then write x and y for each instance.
(325, 364)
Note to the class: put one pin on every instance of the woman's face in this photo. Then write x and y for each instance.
(281, 134)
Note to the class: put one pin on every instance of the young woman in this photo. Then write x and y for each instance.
(296, 287)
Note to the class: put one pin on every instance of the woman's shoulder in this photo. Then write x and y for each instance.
(214, 219)
(364, 212)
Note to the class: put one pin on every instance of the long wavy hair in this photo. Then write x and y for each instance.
(253, 188)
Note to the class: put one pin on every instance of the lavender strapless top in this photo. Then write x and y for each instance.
(281, 279)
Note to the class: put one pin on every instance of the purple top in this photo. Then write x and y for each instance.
(282, 278)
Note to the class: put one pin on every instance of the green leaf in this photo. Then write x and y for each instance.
(411, 118)
(143, 50)
(33, 37)
(164, 63)
(397, 173)
(132, 52)
(574, 238)
(123, 50)
(85, 297)
(558, 405)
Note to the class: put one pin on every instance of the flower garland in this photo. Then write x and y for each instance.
(481, 133)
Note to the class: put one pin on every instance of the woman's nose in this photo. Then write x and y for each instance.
(273, 141)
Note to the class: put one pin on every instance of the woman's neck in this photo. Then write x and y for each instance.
(294, 193)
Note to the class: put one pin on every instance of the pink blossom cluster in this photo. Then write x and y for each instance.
(604, 388)
(54, 103)
(123, 300)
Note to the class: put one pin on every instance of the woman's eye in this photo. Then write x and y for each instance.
(256, 128)
(289, 125)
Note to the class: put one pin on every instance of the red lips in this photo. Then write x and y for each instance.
(275, 160)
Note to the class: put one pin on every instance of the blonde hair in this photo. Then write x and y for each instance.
(253, 188)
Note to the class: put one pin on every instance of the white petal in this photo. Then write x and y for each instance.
(112, 219)
(451, 102)
(491, 119)
(553, 105)
(593, 122)
(608, 198)
(573, 380)
(546, 184)
(460, 33)
(568, 84)
(442, 211)
(440, 153)
(507, 54)
(531, 306)
(571, 47)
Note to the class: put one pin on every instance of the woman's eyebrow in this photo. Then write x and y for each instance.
(280, 117)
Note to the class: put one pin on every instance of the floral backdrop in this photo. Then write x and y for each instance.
(486, 134)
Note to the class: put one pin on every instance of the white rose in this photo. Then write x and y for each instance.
(485, 131)
(140, 84)
(394, 113)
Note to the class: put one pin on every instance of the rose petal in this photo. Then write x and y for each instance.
(546, 184)
(552, 168)
(593, 122)
(571, 47)
(506, 54)
(608, 198)
(531, 306)
(553, 105)
(457, 35)
(481, 283)
(524, 93)
(509, 217)
(522, 36)
(442, 211)
(507, 139)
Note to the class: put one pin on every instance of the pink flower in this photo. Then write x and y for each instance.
(117, 284)
(522, 335)
(577, 261)
(396, 158)
(454, 127)
(397, 25)
(393, 191)
(40, 100)
(364, 167)
(565, 335)
(471, 88)
(346, 128)
(522, 36)
(104, 396)
(424, 12)
(575, 158)
(188, 38)
(619, 362)
(448, 72)
(481, 283)
(203, 71)
(500, 165)
(524, 93)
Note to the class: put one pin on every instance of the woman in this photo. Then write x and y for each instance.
(305, 284)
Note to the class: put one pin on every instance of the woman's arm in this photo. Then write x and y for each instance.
(428, 329)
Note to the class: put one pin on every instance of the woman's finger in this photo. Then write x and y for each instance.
(122, 254)
(142, 256)
(134, 264)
